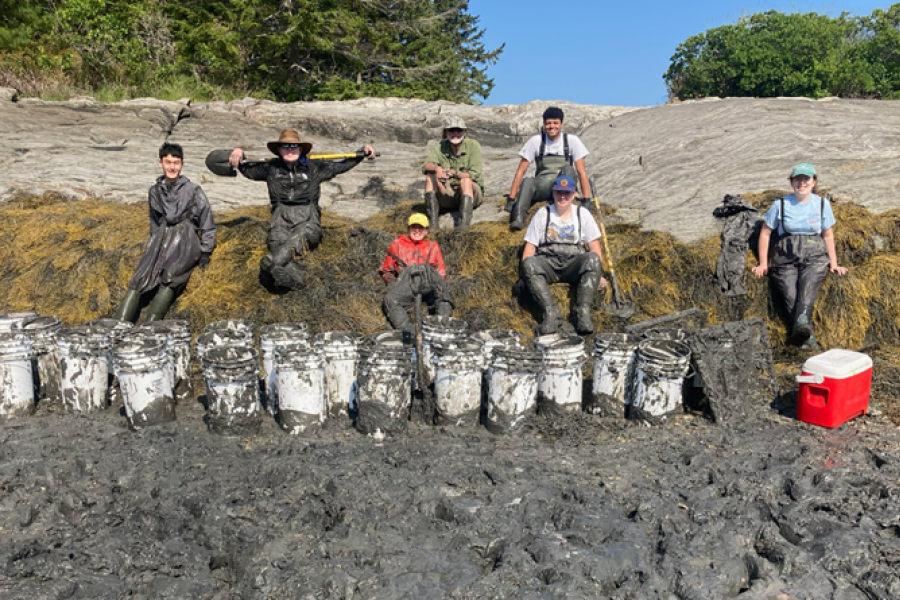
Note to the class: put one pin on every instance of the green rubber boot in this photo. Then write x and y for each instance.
(160, 304)
(127, 309)
(810, 343)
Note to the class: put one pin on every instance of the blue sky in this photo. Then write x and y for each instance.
(612, 53)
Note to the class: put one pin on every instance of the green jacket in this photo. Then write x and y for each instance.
(469, 159)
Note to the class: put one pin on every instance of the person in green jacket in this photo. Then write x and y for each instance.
(453, 175)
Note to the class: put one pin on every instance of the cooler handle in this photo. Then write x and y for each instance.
(817, 379)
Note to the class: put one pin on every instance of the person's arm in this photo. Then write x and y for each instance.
(257, 171)
(329, 169)
(595, 248)
(828, 237)
(433, 161)
(765, 235)
(388, 269)
(438, 261)
(529, 250)
(206, 226)
(520, 175)
(583, 178)
(475, 164)
(155, 217)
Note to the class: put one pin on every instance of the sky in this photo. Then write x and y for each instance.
(608, 53)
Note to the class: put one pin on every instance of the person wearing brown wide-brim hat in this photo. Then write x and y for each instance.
(294, 181)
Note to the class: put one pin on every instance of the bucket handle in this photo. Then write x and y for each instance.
(817, 379)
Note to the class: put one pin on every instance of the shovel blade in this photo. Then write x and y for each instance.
(623, 309)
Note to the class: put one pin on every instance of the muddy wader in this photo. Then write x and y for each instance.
(540, 187)
(556, 262)
(797, 267)
(414, 280)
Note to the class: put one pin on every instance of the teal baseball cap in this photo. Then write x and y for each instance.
(803, 169)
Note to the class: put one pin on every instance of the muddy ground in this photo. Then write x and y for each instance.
(581, 508)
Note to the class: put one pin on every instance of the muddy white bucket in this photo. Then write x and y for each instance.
(231, 374)
(457, 383)
(243, 327)
(142, 368)
(491, 339)
(300, 379)
(659, 380)
(442, 331)
(83, 368)
(116, 330)
(178, 343)
(270, 337)
(15, 320)
(614, 363)
(341, 352)
(41, 332)
(560, 384)
(385, 387)
(513, 388)
(16, 376)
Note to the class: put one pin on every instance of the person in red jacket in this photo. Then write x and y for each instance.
(414, 266)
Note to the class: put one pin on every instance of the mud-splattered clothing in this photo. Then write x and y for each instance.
(410, 269)
(404, 251)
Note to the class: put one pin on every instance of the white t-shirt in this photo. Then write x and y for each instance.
(559, 231)
(531, 148)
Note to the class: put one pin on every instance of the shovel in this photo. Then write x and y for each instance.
(620, 307)
(217, 160)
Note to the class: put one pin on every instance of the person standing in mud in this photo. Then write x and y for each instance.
(414, 266)
(555, 252)
(182, 237)
(554, 153)
(802, 252)
(294, 183)
(453, 174)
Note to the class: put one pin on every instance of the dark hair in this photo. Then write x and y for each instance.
(169, 149)
(815, 189)
(553, 113)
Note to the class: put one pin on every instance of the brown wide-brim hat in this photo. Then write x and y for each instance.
(289, 136)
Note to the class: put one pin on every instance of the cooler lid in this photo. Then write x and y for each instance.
(838, 364)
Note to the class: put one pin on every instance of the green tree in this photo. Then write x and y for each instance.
(23, 22)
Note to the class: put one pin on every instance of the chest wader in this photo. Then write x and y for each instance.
(563, 262)
(540, 187)
(413, 280)
(797, 267)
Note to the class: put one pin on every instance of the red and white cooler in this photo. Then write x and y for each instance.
(834, 388)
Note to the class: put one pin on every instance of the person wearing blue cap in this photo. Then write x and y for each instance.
(555, 252)
(802, 252)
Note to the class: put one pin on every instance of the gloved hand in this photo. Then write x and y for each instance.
(518, 289)
(204, 260)
(389, 277)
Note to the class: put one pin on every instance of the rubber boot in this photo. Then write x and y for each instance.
(432, 210)
(128, 308)
(290, 276)
(398, 318)
(540, 289)
(517, 216)
(443, 308)
(160, 304)
(802, 328)
(276, 258)
(810, 343)
(584, 295)
(466, 208)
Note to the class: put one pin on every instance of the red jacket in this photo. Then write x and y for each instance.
(411, 253)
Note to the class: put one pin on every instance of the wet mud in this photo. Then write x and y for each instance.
(575, 506)
(161, 410)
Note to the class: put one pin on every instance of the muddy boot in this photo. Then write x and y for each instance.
(466, 208)
(398, 317)
(432, 210)
(810, 343)
(540, 289)
(444, 309)
(128, 308)
(290, 276)
(802, 328)
(517, 216)
(160, 304)
(584, 295)
(276, 258)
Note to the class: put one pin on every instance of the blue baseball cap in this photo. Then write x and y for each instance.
(804, 169)
(564, 183)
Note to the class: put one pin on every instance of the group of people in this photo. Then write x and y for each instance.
(561, 243)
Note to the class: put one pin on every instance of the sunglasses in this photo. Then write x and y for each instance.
(292, 146)
(455, 130)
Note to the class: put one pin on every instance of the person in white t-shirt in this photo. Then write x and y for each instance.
(555, 252)
(553, 153)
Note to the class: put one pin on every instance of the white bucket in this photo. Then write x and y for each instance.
(142, 367)
(16, 377)
(614, 364)
(15, 320)
(437, 330)
(116, 330)
(341, 352)
(659, 379)
(513, 389)
(270, 337)
(560, 384)
(242, 327)
(300, 376)
(232, 390)
(178, 346)
(385, 388)
(457, 384)
(84, 369)
(41, 332)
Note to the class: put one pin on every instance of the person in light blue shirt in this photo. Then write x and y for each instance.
(802, 251)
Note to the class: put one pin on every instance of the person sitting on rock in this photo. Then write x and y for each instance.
(553, 153)
(414, 266)
(803, 252)
(294, 183)
(453, 175)
(555, 252)
(182, 237)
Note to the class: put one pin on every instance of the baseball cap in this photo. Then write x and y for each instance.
(418, 219)
(804, 169)
(564, 183)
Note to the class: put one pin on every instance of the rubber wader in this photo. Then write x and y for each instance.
(802, 329)
(128, 308)
(160, 304)
(539, 187)
(432, 209)
(466, 208)
(584, 296)
(540, 290)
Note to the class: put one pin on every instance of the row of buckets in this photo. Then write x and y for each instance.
(495, 377)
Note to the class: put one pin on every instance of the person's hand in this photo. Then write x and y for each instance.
(602, 283)
(237, 155)
(461, 175)
(204, 260)
(369, 151)
(518, 289)
(389, 277)
(760, 270)
(839, 270)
